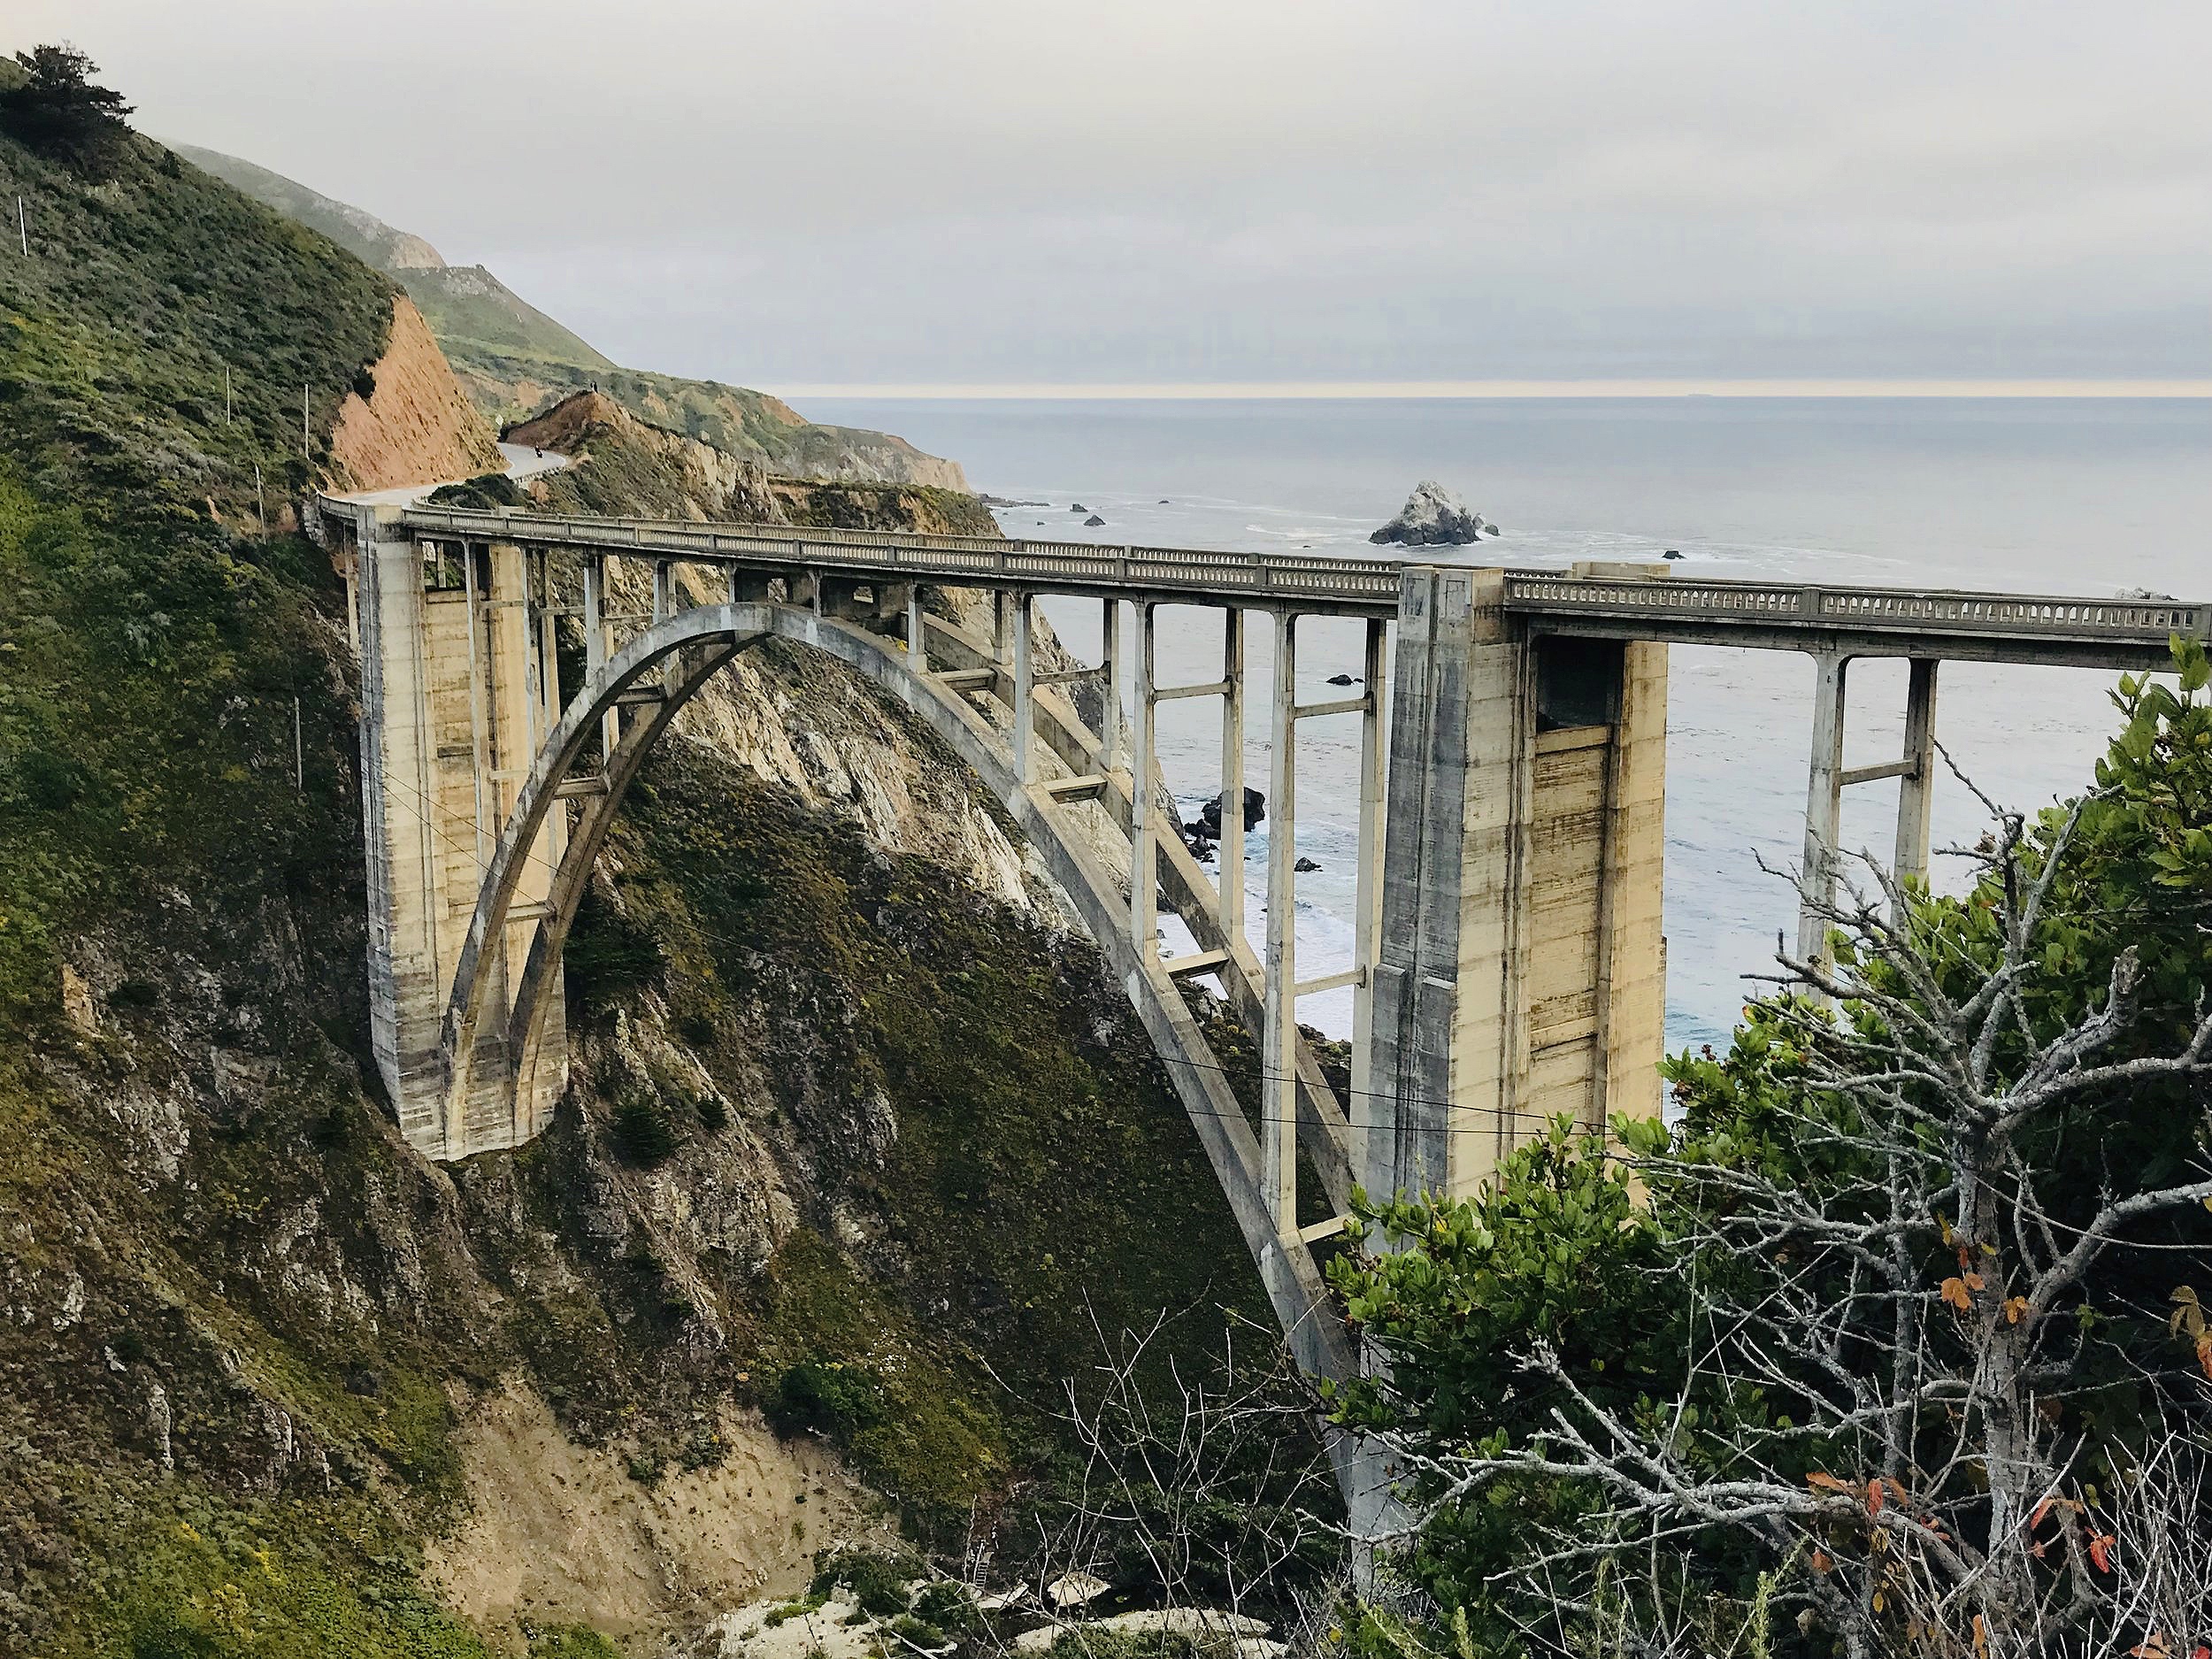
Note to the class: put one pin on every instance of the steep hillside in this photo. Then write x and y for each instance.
(625, 465)
(361, 234)
(860, 1141)
(467, 307)
(742, 422)
(514, 360)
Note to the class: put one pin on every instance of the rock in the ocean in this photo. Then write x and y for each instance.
(1305, 866)
(1255, 812)
(1432, 517)
(1078, 507)
(1671, 553)
(1092, 522)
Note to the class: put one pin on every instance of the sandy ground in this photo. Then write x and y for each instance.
(560, 1532)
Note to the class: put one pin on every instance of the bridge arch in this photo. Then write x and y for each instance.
(659, 671)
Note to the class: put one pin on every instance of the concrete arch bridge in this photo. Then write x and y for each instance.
(1508, 960)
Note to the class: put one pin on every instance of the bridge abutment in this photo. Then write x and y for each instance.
(1521, 971)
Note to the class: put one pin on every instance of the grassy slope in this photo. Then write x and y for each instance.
(205, 1211)
(468, 309)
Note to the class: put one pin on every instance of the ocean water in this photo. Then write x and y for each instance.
(2083, 496)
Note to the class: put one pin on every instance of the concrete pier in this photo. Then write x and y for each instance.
(456, 692)
(1521, 968)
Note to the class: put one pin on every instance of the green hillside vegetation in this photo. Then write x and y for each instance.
(471, 311)
(227, 1426)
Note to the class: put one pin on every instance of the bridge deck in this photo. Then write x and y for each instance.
(2052, 629)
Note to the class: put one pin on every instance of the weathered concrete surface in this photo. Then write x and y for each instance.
(1521, 966)
(447, 735)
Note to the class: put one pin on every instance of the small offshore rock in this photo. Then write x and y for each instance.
(1305, 866)
(1432, 517)
(1255, 812)
(1078, 507)
(1094, 522)
(1344, 680)
(1671, 553)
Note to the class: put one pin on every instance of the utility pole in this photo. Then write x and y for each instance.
(302, 419)
(261, 502)
(22, 227)
(299, 750)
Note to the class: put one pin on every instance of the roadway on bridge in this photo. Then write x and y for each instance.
(522, 464)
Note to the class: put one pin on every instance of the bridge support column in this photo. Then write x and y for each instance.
(1367, 893)
(1824, 805)
(1024, 686)
(1144, 872)
(1519, 970)
(1279, 1033)
(1915, 790)
(447, 720)
(1110, 737)
(1229, 850)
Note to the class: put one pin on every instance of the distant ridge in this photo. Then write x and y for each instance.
(515, 361)
(1257, 390)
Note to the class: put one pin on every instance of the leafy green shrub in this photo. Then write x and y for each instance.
(164, 1634)
(642, 1129)
(572, 1641)
(610, 956)
(827, 1398)
(946, 1605)
(876, 1579)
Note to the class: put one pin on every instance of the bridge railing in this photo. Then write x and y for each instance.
(1368, 583)
(1814, 606)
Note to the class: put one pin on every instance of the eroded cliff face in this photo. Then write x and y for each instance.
(415, 425)
(623, 466)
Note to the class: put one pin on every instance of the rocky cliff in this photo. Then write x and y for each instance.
(621, 465)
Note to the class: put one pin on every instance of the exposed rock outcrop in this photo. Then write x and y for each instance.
(1432, 517)
(415, 425)
(625, 465)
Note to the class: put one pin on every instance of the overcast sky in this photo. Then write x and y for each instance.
(902, 191)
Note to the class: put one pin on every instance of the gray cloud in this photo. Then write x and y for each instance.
(989, 190)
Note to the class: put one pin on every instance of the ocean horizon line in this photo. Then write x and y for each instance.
(1257, 391)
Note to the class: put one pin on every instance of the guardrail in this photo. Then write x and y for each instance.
(1366, 583)
(1370, 585)
(1860, 609)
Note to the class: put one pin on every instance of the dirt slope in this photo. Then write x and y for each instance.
(417, 426)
